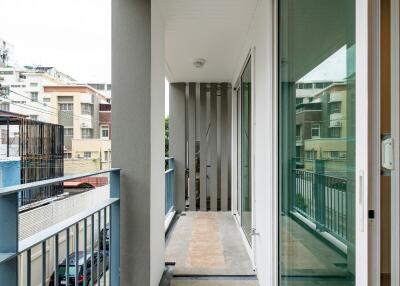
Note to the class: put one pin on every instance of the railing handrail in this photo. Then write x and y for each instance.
(22, 187)
(314, 173)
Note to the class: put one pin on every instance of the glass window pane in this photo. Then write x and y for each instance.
(317, 142)
(245, 141)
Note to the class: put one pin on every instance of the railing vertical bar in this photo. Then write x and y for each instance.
(110, 244)
(104, 244)
(98, 246)
(67, 257)
(337, 207)
(56, 259)
(44, 262)
(84, 251)
(92, 250)
(29, 267)
(76, 234)
(343, 210)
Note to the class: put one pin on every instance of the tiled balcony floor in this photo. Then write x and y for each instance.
(208, 243)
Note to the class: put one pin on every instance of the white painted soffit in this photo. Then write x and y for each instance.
(215, 30)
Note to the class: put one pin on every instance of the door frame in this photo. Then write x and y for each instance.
(236, 123)
(395, 119)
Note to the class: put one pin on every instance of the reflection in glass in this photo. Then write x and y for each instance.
(317, 146)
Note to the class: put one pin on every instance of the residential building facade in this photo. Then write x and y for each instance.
(86, 133)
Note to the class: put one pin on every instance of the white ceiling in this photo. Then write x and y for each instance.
(211, 29)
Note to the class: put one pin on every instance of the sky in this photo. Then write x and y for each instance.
(334, 68)
(72, 35)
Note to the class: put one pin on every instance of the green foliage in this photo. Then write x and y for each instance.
(300, 202)
(166, 139)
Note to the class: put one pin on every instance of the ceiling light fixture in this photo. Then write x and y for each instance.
(199, 63)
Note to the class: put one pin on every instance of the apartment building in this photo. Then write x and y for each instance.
(6, 53)
(321, 130)
(86, 130)
(24, 93)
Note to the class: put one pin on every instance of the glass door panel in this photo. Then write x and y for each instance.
(245, 151)
(317, 142)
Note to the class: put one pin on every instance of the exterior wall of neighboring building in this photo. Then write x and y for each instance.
(79, 112)
(81, 162)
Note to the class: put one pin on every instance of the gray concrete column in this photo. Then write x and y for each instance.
(177, 140)
(137, 137)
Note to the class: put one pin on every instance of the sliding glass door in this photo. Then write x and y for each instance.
(317, 137)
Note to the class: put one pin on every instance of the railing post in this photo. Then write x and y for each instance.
(114, 267)
(9, 239)
(172, 167)
(319, 191)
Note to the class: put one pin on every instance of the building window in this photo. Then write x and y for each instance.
(315, 130)
(5, 106)
(105, 155)
(68, 132)
(87, 109)
(7, 72)
(33, 117)
(311, 155)
(105, 132)
(87, 155)
(66, 106)
(67, 155)
(46, 99)
(334, 132)
(87, 133)
(34, 96)
(335, 107)
(33, 84)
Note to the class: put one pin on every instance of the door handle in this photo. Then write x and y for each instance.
(361, 199)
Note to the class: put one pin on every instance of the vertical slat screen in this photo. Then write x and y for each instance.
(192, 145)
(224, 148)
(203, 146)
(212, 145)
(208, 137)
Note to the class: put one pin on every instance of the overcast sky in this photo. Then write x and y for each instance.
(72, 35)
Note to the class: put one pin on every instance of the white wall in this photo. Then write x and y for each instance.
(261, 38)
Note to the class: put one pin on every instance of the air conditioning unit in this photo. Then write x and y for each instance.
(85, 125)
(336, 123)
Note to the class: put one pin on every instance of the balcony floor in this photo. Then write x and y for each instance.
(208, 243)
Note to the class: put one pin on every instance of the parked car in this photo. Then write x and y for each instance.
(72, 270)
(107, 238)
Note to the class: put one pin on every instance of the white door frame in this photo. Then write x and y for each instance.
(395, 129)
(236, 202)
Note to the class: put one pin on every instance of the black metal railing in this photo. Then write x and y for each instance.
(323, 200)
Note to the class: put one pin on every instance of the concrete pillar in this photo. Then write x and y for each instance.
(138, 137)
(177, 140)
